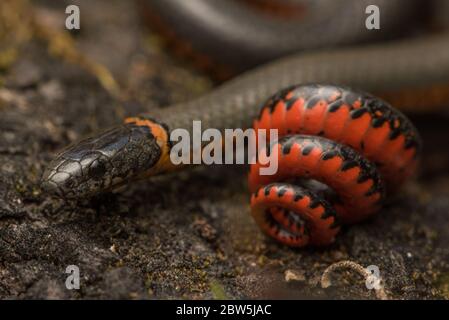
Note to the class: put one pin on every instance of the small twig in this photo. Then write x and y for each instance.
(326, 277)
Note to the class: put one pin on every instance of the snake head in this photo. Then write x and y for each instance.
(103, 162)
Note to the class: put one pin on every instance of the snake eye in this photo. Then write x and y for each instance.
(97, 170)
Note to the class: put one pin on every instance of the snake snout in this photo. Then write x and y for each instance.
(49, 186)
(75, 177)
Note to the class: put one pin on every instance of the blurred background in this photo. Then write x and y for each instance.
(191, 235)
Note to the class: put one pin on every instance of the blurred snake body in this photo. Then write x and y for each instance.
(354, 144)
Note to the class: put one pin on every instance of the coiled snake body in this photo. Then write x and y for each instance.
(340, 149)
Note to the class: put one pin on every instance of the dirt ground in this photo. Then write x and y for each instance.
(187, 235)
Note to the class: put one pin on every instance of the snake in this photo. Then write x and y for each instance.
(340, 149)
